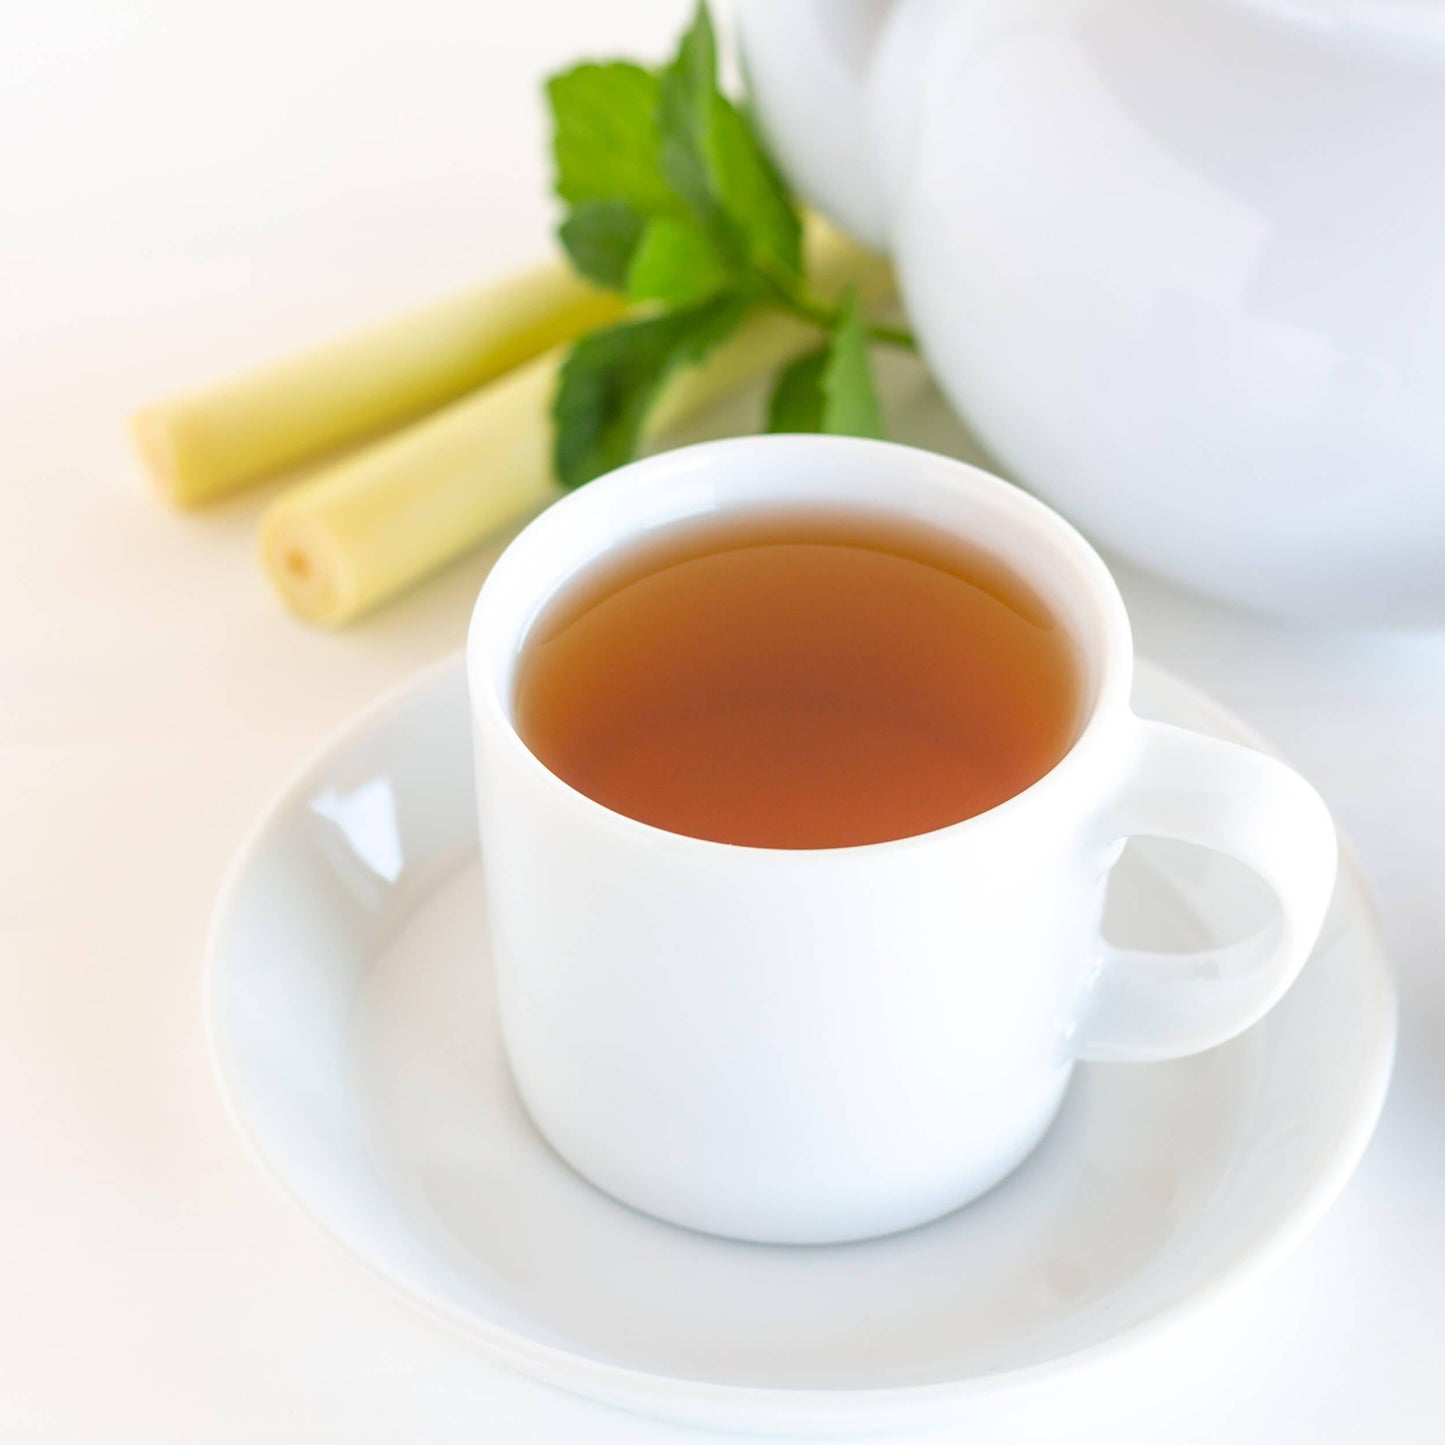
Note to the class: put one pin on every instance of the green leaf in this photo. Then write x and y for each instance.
(797, 401)
(850, 400)
(676, 263)
(830, 389)
(612, 379)
(752, 193)
(602, 239)
(605, 137)
(712, 159)
(685, 98)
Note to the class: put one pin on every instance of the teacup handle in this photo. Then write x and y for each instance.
(1242, 803)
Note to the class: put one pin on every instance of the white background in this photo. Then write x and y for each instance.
(187, 187)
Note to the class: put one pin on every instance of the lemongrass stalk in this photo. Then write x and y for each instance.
(374, 524)
(205, 444)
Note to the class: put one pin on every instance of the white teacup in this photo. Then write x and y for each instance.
(816, 1046)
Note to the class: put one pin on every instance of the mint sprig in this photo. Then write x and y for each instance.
(674, 202)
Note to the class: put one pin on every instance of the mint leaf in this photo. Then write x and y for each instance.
(684, 116)
(612, 378)
(830, 389)
(602, 237)
(712, 159)
(676, 264)
(797, 401)
(605, 137)
(752, 193)
(850, 401)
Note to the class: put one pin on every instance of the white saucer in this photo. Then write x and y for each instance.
(353, 1031)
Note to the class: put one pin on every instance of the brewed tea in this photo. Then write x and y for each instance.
(800, 680)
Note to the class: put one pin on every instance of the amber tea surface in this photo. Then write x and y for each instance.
(804, 680)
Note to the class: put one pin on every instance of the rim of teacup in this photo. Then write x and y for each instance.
(741, 474)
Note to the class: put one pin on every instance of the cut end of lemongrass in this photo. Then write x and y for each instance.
(306, 567)
(151, 433)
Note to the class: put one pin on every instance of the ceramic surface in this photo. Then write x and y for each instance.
(1181, 263)
(354, 1031)
(810, 1046)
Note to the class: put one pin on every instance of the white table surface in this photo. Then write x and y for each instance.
(184, 188)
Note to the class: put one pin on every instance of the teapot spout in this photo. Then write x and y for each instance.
(809, 66)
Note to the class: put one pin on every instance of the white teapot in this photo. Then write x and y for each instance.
(1180, 263)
